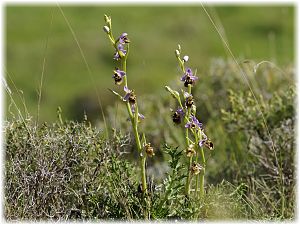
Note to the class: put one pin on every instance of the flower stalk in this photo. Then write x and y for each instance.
(195, 138)
(121, 46)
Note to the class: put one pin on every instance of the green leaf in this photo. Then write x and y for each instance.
(175, 94)
(116, 93)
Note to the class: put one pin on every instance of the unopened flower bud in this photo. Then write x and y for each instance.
(177, 53)
(107, 19)
(193, 109)
(185, 58)
(106, 29)
(122, 54)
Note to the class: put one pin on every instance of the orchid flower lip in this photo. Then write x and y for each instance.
(129, 96)
(149, 150)
(118, 76)
(189, 100)
(178, 115)
(196, 168)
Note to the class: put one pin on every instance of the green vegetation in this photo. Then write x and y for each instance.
(65, 166)
(68, 170)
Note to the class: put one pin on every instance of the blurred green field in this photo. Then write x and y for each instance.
(253, 32)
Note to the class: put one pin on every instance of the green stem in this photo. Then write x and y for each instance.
(188, 179)
(197, 179)
(202, 174)
(196, 160)
(201, 193)
(123, 64)
(181, 64)
(129, 112)
(143, 173)
(134, 123)
(139, 147)
(190, 89)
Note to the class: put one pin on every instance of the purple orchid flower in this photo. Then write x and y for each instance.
(178, 115)
(206, 142)
(194, 123)
(141, 116)
(188, 77)
(123, 39)
(122, 50)
(180, 112)
(118, 76)
(203, 140)
(129, 96)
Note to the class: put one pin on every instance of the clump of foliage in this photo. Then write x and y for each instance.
(223, 201)
(67, 171)
(70, 171)
(270, 165)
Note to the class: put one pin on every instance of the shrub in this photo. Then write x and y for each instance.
(269, 164)
(66, 171)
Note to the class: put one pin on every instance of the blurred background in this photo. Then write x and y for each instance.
(39, 40)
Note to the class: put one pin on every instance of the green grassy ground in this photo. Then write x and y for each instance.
(253, 32)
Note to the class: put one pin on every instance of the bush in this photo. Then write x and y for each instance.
(269, 164)
(66, 171)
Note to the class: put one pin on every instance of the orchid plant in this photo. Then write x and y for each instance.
(121, 47)
(195, 137)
